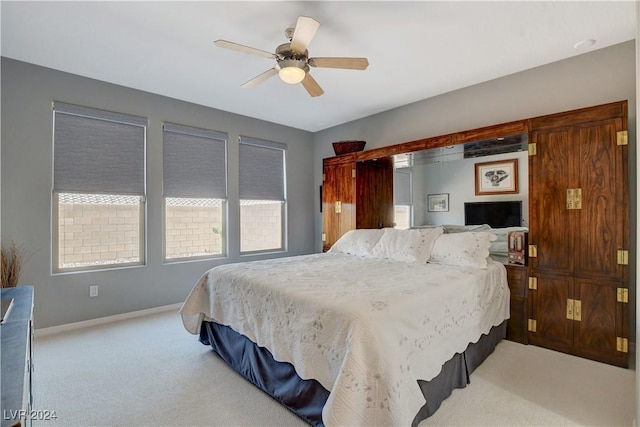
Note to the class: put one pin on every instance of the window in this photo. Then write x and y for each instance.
(262, 195)
(402, 199)
(195, 192)
(98, 188)
(402, 216)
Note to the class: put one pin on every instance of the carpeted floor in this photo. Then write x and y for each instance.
(149, 371)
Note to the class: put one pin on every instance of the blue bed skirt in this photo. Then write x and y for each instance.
(306, 398)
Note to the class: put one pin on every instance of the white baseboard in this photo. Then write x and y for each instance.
(103, 320)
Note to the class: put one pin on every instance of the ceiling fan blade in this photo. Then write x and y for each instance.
(245, 49)
(305, 30)
(260, 78)
(346, 63)
(312, 86)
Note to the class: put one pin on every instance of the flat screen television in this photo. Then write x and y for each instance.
(496, 214)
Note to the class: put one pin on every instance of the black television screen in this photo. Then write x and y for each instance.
(496, 214)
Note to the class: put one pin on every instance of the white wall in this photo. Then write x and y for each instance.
(27, 94)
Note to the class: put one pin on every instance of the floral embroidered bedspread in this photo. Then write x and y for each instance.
(366, 328)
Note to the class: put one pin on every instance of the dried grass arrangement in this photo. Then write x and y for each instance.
(12, 257)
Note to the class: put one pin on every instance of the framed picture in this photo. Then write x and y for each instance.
(438, 202)
(500, 177)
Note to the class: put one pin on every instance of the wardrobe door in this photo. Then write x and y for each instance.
(338, 199)
(601, 233)
(603, 215)
(550, 312)
(553, 226)
(374, 193)
(601, 320)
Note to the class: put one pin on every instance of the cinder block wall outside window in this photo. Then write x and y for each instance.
(94, 234)
(193, 231)
(261, 227)
(402, 217)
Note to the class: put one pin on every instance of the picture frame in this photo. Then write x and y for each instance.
(438, 202)
(498, 177)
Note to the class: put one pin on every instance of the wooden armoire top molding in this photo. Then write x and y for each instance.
(582, 115)
(589, 114)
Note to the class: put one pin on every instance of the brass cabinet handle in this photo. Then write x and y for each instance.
(574, 309)
(574, 198)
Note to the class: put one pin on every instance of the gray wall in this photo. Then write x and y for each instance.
(27, 94)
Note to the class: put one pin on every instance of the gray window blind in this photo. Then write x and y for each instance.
(402, 188)
(194, 162)
(98, 151)
(262, 169)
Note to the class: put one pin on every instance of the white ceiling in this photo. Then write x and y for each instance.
(416, 50)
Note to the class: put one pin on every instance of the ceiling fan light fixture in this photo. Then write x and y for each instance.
(292, 59)
(292, 71)
(291, 75)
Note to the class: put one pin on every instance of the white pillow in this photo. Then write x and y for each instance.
(412, 245)
(454, 228)
(468, 249)
(358, 242)
(499, 248)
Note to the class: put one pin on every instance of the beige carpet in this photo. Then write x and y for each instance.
(150, 371)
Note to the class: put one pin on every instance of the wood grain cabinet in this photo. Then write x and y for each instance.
(517, 325)
(355, 194)
(579, 222)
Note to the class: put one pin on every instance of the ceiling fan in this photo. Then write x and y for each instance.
(292, 59)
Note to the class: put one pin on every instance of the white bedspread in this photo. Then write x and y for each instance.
(366, 328)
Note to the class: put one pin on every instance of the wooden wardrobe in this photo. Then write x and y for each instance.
(579, 240)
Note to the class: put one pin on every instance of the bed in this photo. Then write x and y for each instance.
(377, 331)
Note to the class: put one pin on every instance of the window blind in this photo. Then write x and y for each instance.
(262, 170)
(98, 151)
(194, 162)
(402, 188)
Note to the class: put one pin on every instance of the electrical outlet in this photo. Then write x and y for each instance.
(93, 290)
